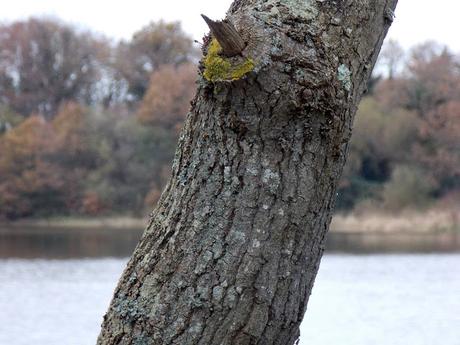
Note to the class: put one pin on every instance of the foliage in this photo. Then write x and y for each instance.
(167, 100)
(8, 119)
(131, 157)
(88, 127)
(156, 44)
(28, 181)
(408, 187)
(406, 144)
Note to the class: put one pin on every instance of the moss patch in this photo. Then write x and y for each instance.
(218, 67)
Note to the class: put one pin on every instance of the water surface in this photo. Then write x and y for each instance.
(357, 300)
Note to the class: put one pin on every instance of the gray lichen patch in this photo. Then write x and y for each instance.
(196, 328)
(344, 75)
(272, 179)
(269, 175)
(129, 310)
(203, 262)
(305, 9)
(217, 293)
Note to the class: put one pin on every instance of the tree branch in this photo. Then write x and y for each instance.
(225, 33)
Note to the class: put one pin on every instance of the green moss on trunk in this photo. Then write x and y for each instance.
(219, 68)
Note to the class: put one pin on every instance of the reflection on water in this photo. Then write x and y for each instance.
(394, 243)
(67, 242)
(357, 300)
(104, 242)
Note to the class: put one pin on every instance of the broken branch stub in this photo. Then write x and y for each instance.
(228, 37)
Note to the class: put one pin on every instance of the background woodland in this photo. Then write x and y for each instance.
(88, 126)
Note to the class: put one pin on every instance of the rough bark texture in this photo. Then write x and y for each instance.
(233, 247)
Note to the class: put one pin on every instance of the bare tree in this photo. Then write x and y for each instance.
(44, 63)
(234, 245)
(392, 57)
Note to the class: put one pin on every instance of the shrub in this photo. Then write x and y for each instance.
(408, 187)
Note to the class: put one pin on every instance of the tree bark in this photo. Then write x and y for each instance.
(234, 245)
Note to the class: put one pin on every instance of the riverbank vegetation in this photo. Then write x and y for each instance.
(433, 221)
(88, 127)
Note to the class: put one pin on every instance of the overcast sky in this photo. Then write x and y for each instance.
(416, 20)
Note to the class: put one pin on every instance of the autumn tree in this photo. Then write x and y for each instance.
(438, 150)
(122, 187)
(233, 247)
(163, 110)
(8, 119)
(28, 182)
(72, 154)
(156, 44)
(44, 63)
(431, 90)
(404, 152)
(168, 97)
(433, 78)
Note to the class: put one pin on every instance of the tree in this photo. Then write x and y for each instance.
(8, 119)
(233, 247)
(381, 139)
(72, 154)
(430, 89)
(154, 45)
(168, 97)
(434, 78)
(391, 57)
(44, 63)
(28, 182)
(120, 186)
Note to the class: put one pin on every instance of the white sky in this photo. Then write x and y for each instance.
(416, 20)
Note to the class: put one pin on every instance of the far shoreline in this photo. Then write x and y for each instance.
(433, 221)
(71, 222)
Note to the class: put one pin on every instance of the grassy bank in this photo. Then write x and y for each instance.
(419, 222)
(80, 223)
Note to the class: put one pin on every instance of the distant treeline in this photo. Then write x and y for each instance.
(405, 149)
(88, 126)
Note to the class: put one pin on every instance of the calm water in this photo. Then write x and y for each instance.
(50, 295)
(357, 300)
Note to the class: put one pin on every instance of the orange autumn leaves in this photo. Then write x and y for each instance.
(31, 177)
(167, 100)
(77, 162)
(88, 126)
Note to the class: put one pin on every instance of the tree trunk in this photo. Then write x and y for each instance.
(234, 245)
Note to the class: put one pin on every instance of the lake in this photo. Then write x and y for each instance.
(52, 296)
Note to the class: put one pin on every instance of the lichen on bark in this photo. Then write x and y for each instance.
(344, 75)
(221, 68)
